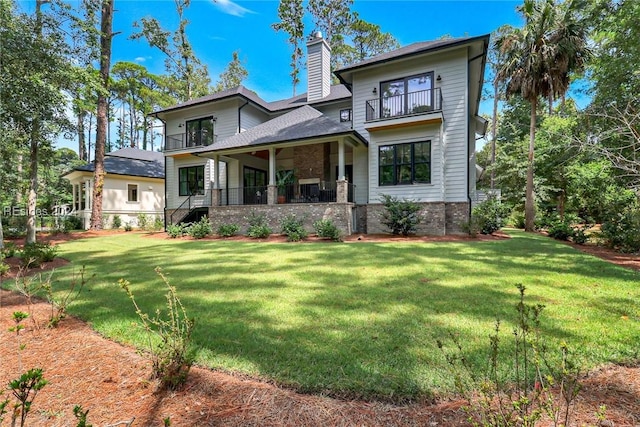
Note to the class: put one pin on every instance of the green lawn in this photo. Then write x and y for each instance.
(359, 319)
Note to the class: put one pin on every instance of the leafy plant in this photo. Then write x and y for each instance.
(293, 228)
(71, 223)
(400, 216)
(176, 230)
(128, 227)
(490, 215)
(4, 267)
(158, 223)
(81, 416)
(10, 249)
(284, 177)
(25, 389)
(34, 254)
(116, 222)
(143, 221)
(200, 229)
(227, 230)
(495, 402)
(621, 230)
(258, 228)
(560, 230)
(580, 236)
(59, 304)
(327, 229)
(171, 355)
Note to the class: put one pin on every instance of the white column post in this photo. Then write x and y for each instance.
(341, 176)
(272, 192)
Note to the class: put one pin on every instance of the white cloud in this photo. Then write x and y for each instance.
(142, 58)
(231, 8)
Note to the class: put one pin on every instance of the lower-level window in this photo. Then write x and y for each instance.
(191, 180)
(404, 163)
(132, 192)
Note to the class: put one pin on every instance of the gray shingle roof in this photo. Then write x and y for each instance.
(410, 50)
(132, 162)
(302, 123)
(338, 92)
(236, 91)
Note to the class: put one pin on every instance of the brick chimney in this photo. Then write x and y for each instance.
(318, 68)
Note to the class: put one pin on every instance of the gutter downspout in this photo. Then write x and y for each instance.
(479, 56)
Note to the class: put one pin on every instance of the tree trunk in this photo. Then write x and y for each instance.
(1, 234)
(494, 126)
(529, 204)
(103, 106)
(81, 142)
(33, 184)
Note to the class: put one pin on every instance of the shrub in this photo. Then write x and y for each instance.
(158, 223)
(490, 215)
(560, 230)
(400, 216)
(227, 230)
(4, 267)
(293, 228)
(143, 221)
(61, 301)
(494, 401)
(71, 223)
(621, 231)
(516, 219)
(116, 222)
(258, 228)
(9, 250)
(25, 389)
(34, 254)
(580, 236)
(176, 230)
(171, 356)
(471, 227)
(128, 227)
(327, 229)
(200, 229)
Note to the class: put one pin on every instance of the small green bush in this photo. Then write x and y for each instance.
(516, 219)
(71, 223)
(621, 231)
(9, 250)
(580, 236)
(4, 267)
(158, 223)
(400, 216)
(227, 230)
(490, 215)
(176, 230)
(258, 227)
(143, 221)
(327, 229)
(292, 228)
(34, 254)
(128, 227)
(116, 222)
(560, 230)
(200, 229)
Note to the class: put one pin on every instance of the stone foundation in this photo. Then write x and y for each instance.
(437, 219)
(339, 213)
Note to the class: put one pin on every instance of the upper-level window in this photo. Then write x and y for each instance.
(404, 163)
(200, 131)
(132, 192)
(345, 115)
(191, 180)
(407, 95)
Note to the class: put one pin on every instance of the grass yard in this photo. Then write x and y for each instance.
(359, 319)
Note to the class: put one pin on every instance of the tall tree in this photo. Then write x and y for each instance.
(333, 18)
(191, 78)
(106, 35)
(368, 40)
(291, 14)
(538, 60)
(232, 76)
(34, 74)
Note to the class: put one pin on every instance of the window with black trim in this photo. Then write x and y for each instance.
(407, 95)
(191, 180)
(345, 115)
(200, 131)
(132, 192)
(402, 164)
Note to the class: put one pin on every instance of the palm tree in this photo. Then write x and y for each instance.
(538, 61)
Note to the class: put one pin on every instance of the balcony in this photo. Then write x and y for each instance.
(404, 105)
(189, 140)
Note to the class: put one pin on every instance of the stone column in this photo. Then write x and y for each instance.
(216, 194)
(342, 191)
(272, 194)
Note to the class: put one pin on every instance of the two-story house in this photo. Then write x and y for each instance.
(403, 123)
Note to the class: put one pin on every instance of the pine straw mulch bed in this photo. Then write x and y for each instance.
(112, 382)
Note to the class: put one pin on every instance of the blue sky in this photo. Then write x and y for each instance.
(219, 28)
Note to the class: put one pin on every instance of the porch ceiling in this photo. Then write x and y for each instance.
(304, 125)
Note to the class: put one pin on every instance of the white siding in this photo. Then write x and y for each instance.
(225, 112)
(449, 144)
(251, 116)
(174, 200)
(333, 110)
(318, 70)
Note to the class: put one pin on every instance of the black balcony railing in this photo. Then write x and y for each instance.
(256, 195)
(189, 139)
(412, 103)
(292, 193)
